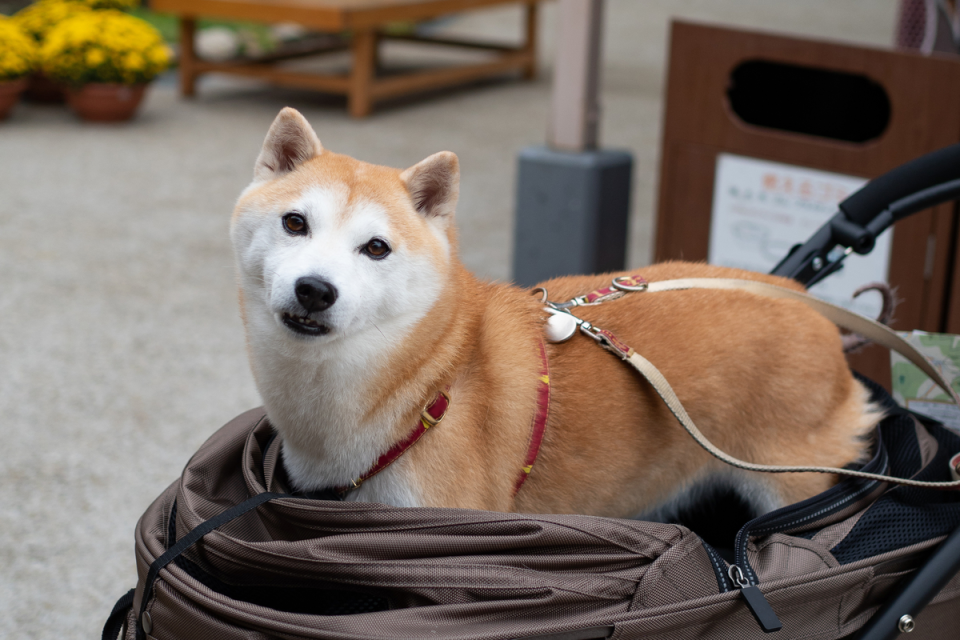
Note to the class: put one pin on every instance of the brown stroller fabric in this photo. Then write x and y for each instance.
(298, 567)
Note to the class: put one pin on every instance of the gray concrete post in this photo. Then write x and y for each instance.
(573, 200)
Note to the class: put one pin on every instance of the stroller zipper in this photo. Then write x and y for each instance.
(835, 499)
(757, 604)
(838, 497)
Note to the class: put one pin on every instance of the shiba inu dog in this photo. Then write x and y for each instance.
(358, 315)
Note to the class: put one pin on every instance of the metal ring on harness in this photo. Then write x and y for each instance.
(620, 282)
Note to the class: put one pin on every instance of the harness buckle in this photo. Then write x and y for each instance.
(429, 420)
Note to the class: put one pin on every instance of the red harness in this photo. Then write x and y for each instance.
(539, 421)
(433, 413)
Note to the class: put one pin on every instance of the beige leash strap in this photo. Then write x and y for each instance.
(838, 315)
(876, 332)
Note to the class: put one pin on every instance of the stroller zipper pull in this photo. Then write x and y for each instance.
(761, 609)
(757, 604)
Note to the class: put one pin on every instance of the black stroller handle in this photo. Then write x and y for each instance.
(921, 174)
(922, 183)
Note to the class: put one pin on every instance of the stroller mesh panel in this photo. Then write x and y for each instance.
(906, 515)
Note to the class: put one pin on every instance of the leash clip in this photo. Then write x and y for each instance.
(591, 331)
(554, 306)
(562, 324)
(607, 340)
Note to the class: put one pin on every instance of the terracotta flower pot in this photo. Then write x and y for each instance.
(10, 91)
(106, 102)
(42, 89)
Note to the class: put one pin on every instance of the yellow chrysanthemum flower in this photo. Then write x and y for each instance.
(133, 61)
(103, 46)
(95, 57)
(18, 51)
(159, 56)
(38, 18)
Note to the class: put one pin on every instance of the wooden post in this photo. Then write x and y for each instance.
(530, 44)
(188, 57)
(364, 52)
(575, 111)
(377, 59)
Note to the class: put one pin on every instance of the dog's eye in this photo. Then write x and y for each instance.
(376, 249)
(295, 223)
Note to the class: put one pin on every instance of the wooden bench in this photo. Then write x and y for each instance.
(363, 22)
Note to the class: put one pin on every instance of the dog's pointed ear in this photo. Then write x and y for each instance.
(290, 142)
(434, 185)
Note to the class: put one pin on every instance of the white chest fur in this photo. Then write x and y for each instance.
(396, 485)
(319, 401)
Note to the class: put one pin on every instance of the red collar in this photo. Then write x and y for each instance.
(432, 414)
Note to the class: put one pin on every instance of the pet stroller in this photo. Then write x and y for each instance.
(224, 552)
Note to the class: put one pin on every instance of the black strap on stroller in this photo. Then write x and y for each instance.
(920, 184)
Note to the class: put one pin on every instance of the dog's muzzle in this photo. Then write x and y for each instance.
(315, 296)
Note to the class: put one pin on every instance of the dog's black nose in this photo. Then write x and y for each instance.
(315, 294)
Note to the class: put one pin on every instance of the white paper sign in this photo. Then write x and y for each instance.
(761, 209)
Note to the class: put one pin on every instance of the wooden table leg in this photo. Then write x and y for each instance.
(377, 62)
(364, 52)
(188, 57)
(530, 45)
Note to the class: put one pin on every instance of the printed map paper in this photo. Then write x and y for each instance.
(914, 390)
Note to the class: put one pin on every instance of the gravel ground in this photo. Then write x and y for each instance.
(120, 344)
